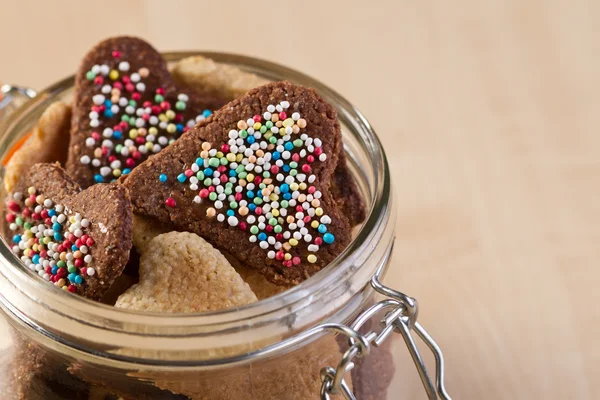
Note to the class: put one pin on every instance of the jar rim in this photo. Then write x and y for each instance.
(90, 312)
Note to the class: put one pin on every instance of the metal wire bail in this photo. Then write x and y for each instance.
(401, 312)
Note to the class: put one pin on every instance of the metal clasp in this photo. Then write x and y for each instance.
(401, 313)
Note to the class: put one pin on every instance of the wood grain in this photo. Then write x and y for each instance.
(490, 113)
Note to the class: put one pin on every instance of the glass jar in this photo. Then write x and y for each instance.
(328, 337)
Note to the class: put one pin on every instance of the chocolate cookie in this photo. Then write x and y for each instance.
(346, 193)
(373, 374)
(126, 107)
(33, 373)
(78, 240)
(254, 180)
(229, 82)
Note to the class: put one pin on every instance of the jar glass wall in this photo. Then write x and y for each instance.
(65, 346)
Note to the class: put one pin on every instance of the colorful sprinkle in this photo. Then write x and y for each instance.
(50, 239)
(170, 202)
(261, 181)
(129, 121)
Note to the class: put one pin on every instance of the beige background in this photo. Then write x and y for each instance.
(489, 111)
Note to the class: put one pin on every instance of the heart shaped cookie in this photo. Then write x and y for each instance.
(78, 240)
(181, 272)
(127, 107)
(254, 180)
(229, 82)
(146, 229)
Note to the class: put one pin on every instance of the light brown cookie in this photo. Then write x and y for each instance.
(205, 75)
(181, 272)
(48, 142)
(294, 376)
(145, 229)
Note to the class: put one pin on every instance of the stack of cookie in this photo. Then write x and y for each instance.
(191, 190)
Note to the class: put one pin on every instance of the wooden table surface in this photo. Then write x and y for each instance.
(489, 111)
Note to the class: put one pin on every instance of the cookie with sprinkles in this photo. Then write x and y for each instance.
(78, 240)
(254, 180)
(127, 107)
(229, 82)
